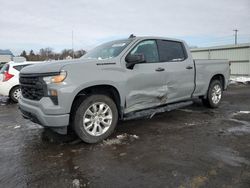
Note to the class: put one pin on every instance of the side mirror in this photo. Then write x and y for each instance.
(134, 59)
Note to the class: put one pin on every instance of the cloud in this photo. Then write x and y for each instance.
(30, 24)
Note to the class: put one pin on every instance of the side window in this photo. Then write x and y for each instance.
(149, 49)
(171, 51)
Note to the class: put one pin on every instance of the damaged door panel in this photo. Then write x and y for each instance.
(146, 87)
(180, 82)
(146, 83)
(179, 70)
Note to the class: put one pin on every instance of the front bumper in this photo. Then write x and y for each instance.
(34, 113)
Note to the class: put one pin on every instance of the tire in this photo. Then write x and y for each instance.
(15, 94)
(214, 94)
(95, 118)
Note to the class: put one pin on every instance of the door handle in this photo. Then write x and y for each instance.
(189, 67)
(159, 69)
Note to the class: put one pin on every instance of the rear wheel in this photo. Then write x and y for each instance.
(214, 94)
(15, 94)
(95, 118)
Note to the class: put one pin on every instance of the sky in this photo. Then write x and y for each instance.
(31, 24)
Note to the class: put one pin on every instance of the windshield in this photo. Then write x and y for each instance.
(108, 50)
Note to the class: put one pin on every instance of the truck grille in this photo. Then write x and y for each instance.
(32, 87)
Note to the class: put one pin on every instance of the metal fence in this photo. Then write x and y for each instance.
(238, 55)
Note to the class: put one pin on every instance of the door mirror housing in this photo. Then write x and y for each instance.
(134, 59)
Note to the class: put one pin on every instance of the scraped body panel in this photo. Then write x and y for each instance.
(145, 88)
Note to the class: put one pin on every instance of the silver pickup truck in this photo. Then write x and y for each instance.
(118, 80)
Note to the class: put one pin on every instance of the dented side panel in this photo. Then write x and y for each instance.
(148, 88)
(180, 81)
(145, 87)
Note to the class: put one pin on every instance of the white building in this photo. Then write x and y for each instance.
(238, 55)
(5, 56)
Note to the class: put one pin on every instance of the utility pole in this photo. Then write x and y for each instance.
(235, 35)
(72, 44)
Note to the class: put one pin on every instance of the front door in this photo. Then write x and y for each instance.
(146, 83)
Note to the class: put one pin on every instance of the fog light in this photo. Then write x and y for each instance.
(53, 93)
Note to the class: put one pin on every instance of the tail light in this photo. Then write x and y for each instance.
(7, 76)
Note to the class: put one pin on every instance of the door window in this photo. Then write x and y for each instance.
(149, 49)
(171, 51)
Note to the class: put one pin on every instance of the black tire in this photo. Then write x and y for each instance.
(13, 94)
(208, 100)
(79, 112)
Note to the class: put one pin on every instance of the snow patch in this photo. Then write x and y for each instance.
(190, 124)
(241, 79)
(120, 139)
(31, 125)
(241, 112)
(76, 183)
(17, 127)
(244, 112)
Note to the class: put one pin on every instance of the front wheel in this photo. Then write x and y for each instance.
(95, 118)
(214, 94)
(15, 94)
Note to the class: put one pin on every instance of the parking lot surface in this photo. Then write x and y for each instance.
(190, 147)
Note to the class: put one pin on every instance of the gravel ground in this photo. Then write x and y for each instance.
(190, 147)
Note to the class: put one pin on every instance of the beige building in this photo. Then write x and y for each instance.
(238, 55)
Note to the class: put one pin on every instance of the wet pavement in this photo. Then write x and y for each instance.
(190, 147)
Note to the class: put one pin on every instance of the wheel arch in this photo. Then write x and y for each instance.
(18, 85)
(105, 89)
(219, 77)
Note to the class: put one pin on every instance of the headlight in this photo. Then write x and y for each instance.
(55, 79)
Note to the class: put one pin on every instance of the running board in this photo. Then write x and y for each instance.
(152, 111)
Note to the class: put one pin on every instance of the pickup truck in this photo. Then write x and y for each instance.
(116, 81)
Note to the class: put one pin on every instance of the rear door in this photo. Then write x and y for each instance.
(179, 70)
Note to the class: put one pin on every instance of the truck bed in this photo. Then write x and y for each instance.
(205, 70)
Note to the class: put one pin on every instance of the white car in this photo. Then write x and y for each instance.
(9, 79)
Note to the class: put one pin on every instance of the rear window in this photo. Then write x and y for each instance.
(171, 51)
(4, 68)
(20, 67)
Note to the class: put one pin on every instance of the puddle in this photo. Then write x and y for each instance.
(242, 129)
(120, 140)
(3, 100)
(229, 156)
(238, 118)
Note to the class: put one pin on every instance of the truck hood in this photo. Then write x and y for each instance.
(57, 66)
